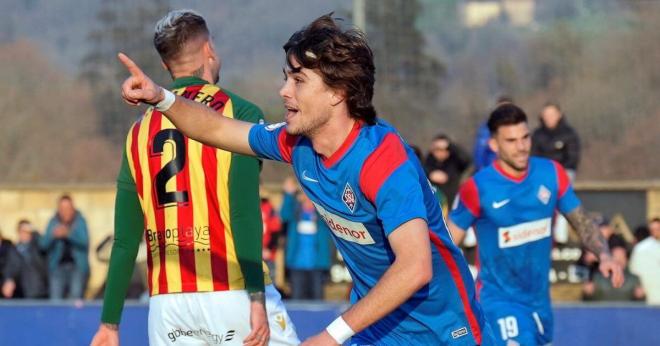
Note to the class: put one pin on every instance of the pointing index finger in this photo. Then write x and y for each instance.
(130, 65)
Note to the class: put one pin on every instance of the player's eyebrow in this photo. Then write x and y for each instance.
(289, 70)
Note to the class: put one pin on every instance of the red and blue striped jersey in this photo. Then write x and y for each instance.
(512, 218)
(373, 184)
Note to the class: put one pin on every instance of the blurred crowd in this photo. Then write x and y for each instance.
(53, 264)
(297, 246)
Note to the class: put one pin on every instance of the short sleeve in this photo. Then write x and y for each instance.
(272, 142)
(567, 200)
(390, 181)
(468, 207)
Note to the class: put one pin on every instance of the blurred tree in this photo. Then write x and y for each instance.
(49, 124)
(123, 26)
(407, 77)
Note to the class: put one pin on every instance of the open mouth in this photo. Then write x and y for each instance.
(290, 112)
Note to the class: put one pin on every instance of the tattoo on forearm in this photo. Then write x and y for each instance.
(258, 297)
(589, 233)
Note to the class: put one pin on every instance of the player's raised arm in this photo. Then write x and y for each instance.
(195, 120)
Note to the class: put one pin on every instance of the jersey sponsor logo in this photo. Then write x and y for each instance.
(273, 127)
(307, 178)
(544, 194)
(500, 204)
(459, 332)
(349, 197)
(345, 229)
(203, 334)
(524, 233)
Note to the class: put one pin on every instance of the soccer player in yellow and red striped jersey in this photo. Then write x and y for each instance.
(198, 209)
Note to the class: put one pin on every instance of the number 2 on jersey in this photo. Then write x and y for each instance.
(171, 169)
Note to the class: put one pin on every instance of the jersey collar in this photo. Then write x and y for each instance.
(355, 131)
(501, 171)
(182, 82)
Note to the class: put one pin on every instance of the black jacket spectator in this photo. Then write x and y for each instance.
(28, 270)
(448, 158)
(9, 259)
(561, 144)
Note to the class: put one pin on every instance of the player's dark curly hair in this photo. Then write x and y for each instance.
(343, 59)
(504, 115)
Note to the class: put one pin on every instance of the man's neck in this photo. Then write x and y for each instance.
(510, 170)
(328, 139)
(184, 75)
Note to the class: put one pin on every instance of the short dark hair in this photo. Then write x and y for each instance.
(342, 57)
(22, 222)
(65, 197)
(173, 31)
(505, 114)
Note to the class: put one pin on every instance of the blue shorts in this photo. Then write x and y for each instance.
(526, 325)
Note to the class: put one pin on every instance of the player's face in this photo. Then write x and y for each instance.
(307, 99)
(512, 143)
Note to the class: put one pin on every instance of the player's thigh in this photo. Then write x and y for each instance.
(204, 318)
(511, 324)
(282, 331)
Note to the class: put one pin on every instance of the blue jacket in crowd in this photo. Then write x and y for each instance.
(78, 238)
(297, 256)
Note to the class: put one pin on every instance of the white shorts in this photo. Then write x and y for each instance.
(214, 318)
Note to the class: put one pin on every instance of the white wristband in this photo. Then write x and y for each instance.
(340, 330)
(167, 102)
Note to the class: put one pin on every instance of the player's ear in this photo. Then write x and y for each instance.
(338, 96)
(492, 144)
(164, 65)
(209, 50)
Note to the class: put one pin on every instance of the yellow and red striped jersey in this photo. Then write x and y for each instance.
(186, 191)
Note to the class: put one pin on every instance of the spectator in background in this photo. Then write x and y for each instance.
(645, 262)
(483, 155)
(555, 139)
(308, 244)
(600, 289)
(26, 276)
(444, 166)
(272, 228)
(66, 242)
(641, 233)
(8, 258)
(590, 260)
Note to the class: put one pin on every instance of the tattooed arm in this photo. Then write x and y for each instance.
(591, 237)
(594, 241)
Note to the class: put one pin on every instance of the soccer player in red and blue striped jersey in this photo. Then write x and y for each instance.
(511, 204)
(411, 283)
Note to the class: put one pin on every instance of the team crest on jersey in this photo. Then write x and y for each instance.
(349, 197)
(544, 194)
(273, 127)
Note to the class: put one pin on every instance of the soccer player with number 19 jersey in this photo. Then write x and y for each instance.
(511, 204)
(411, 284)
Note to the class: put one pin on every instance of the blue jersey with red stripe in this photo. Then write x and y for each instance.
(512, 219)
(368, 188)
